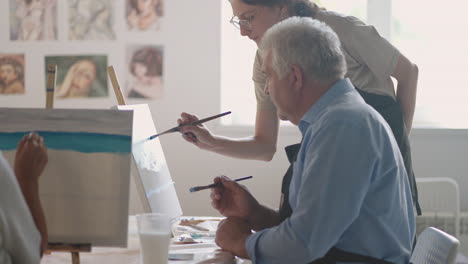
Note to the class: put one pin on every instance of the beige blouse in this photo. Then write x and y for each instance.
(370, 58)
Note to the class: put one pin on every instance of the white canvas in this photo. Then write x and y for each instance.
(85, 186)
(152, 176)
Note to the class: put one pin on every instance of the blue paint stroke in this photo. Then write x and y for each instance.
(159, 189)
(74, 141)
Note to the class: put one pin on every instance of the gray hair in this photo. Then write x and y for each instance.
(308, 43)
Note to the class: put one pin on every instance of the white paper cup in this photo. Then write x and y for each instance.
(154, 231)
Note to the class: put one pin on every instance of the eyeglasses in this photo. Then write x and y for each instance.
(247, 23)
(237, 23)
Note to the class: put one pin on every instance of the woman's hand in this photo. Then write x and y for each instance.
(198, 135)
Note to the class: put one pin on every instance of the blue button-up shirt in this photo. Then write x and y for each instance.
(349, 188)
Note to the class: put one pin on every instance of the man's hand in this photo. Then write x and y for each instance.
(233, 199)
(232, 234)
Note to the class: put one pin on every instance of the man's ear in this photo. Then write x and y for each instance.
(296, 77)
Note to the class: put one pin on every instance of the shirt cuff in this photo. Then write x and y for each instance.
(251, 245)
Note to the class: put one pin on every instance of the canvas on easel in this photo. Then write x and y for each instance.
(84, 189)
(151, 174)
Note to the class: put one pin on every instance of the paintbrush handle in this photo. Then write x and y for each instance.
(218, 184)
(194, 123)
(175, 129)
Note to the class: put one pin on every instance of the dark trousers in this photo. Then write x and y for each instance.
(390, 110)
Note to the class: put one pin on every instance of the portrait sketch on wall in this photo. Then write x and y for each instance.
(80, 76)
(91, 20)
(12, 74)
(33, 19)
(145, 72)
(144, 15)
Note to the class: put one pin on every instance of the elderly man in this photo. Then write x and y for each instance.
(349, 194)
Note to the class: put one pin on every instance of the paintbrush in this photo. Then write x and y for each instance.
(194, 123)
(218, 184)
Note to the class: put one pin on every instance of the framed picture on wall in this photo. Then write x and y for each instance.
(33, 19)
(145, 72)
(83, 37)
(12, 71)
(91, 20)
(80, 76)
(144, 15)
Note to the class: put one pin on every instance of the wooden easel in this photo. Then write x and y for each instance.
(74, 249)
(115, 84)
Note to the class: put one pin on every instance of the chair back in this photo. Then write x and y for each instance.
(435, 247)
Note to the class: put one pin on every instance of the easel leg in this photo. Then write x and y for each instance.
(75, 257)
(74, 250)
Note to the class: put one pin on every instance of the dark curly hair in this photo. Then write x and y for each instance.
(302, 8)
(151, 57)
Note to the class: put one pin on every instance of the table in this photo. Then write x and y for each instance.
(204, 253)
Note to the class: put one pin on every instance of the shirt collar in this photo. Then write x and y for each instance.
(338, 88)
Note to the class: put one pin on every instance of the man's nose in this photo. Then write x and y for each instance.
(244, 30)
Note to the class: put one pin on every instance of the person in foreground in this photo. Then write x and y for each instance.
(349, 193)
(23, 230)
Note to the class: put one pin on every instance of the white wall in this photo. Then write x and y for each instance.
(191, 38)
(442, 153)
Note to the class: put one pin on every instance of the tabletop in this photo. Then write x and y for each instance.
(204, 250)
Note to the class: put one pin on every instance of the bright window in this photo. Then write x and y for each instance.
(430, 36)
(237, 92)
(435, 37)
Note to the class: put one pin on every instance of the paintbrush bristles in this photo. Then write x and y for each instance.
(199, 188)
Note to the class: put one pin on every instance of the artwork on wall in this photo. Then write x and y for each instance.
(85, 186)
(82, 37)
(33, 19)
(91, 20)
(12, 74)
(144, 15)
(145, 72)
(80, 76)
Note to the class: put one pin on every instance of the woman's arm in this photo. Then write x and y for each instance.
(406, 73)
(261, 146)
